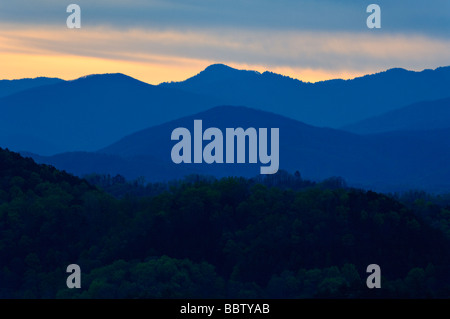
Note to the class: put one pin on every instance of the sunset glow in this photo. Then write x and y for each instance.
(156, 56)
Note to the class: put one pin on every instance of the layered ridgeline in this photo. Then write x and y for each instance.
(206, 238)
(422, 116)
(389, 162)
(332, 103)
(88, 113)
(92, 112)
(9, 87)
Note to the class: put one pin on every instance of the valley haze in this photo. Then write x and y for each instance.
(385, 131)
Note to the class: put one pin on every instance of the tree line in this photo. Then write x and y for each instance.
(199, 237)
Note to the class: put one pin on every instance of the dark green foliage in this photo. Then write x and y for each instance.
(278, 237)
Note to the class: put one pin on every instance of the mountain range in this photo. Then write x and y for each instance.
(386, 131)
(49, 116)
(8, 87)
(386, 162)
(88, 113)
(332, 103)
(425, 115)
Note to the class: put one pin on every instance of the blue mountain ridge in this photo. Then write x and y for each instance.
(424, 115)
(88, 113)
(8, 87)
(93, 111)
(332, 103)
(387, 162)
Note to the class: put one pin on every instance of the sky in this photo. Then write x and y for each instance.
(170, 40)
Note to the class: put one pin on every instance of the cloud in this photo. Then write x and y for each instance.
(413, 16)
(307, 39)
(271, 48)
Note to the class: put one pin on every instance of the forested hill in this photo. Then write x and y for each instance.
(205, 238)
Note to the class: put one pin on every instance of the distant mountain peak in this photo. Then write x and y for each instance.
(8, 87)
(394, 71)
(217, 72)
(105, 75)
(32, 79)
(399, 70)
(108, 78)
(223, 69)
(219, 67)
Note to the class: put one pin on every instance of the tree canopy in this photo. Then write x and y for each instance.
(199, 237)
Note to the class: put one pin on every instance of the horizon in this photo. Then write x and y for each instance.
(171, 41)
(237, 69)
(224, 150)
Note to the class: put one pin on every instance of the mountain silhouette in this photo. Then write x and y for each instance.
(332, 103)
(93, 111)
(389, 162)
(8, 87)
(88, 113)
(427, 115)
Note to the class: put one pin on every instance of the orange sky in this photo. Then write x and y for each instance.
(67, 67)
(157, 56)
